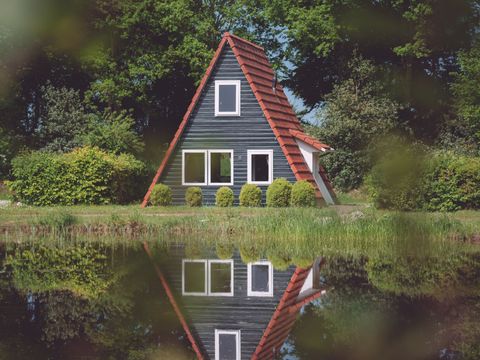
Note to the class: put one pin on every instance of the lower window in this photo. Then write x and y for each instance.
(227, 344)
(260, 166)
(194, 165)
(221, 167)
(260, 279)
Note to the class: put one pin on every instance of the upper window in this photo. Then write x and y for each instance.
(260, 166)
(227, 98)
(221, 167)
(194, 167)
(227, 344)
(260, 279)
(207, 277)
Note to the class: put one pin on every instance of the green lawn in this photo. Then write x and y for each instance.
(347, 230)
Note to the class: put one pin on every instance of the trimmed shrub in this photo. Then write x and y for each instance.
(224, 250)
(83, 176)
(224, 197)
(303, 194)
(249, 253)
(194, 196)
(278, 193)
(451, 182)
(161, 195)
(250, 196)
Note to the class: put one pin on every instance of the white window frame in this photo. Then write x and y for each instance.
(205, 152)
(268, 293)
(209, 167)
(228, 261)
(205, 262)
(237, 84)
(237, 334)
(208, 277)
(270, 166)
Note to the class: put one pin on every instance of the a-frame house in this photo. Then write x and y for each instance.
(240, 128)
(230, 310)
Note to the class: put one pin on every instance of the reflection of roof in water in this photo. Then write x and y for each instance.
(264, 322)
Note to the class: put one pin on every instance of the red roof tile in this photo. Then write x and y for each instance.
(274, 103)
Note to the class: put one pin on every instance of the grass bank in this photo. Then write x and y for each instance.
(292, 230)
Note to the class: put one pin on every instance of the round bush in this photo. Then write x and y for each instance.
(193, 196)
(278, 193)
(249, 253)
(161, 195)
(303, 194)
(250, 196)
(224, 250)
(280, 260)
(224, 197)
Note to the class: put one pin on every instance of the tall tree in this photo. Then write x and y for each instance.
(464, 130)
(413, 42)
(355, 115)
(62, 119)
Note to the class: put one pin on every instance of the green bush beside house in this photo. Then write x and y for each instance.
(85, 175)
(436, 181)
(279, 193)
(303, 194)
(250, 196)
(224, 197)
(161, 195)
(194, 196)
(451, 182)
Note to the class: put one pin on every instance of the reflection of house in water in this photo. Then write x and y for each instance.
(233, 310)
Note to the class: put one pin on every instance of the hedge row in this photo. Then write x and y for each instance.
(86, 175)
(279, 194)
(441, 181)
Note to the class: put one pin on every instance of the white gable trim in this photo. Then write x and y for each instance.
(311, 156)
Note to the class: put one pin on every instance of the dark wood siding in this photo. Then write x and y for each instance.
(250, 315)
(205, 131)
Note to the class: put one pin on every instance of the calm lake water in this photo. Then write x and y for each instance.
(158, 300)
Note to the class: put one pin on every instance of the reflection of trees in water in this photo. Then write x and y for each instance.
(92, 305)
(359, 319)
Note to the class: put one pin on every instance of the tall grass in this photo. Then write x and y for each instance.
(301, 233)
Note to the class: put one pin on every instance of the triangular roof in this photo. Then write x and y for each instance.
(274, 103)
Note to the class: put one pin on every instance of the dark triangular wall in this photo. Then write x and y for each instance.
(205, 131)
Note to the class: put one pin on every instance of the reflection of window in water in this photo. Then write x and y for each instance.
(207, 277)
(194, 277)
(227, 344)
(220, 277)
(260, 279)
